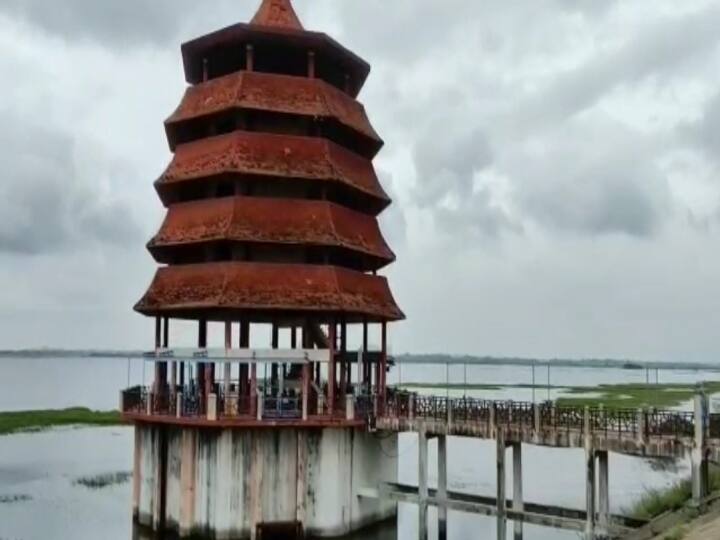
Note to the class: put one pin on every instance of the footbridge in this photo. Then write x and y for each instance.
(597, 430)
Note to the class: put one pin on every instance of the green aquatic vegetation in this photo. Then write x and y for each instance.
(24, 421)
(632, 395)
(101, 481)
(635, 396)
(658, 501)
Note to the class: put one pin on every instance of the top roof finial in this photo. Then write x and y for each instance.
(279, 13)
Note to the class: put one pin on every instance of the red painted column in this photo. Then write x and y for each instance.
(331, 367)
(343, 361)
(366, 364)
(383, 365)
(274, 381)
(244, 368)
(253, 390)
(201, 374)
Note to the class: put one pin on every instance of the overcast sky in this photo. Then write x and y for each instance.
(554, 166)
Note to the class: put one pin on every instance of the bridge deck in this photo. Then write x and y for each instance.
(650, 433)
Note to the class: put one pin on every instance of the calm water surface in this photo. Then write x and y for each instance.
(39, 499)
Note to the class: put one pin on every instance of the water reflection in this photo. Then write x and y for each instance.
(386, 531)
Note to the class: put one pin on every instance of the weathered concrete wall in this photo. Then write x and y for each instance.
(222, 483)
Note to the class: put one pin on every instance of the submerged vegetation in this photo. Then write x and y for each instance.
(101, 481)
(609, 395)
(11, 499)
(23, 421)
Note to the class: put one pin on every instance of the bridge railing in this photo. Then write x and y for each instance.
(619, 422)
(714, 426)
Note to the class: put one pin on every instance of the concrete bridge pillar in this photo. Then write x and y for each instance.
(518, 503)
(589, 478)
(700, 469)
(442, 487)
(603, 494)
(501, 498)
(423, 483)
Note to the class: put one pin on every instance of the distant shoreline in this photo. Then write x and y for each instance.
(437, 359)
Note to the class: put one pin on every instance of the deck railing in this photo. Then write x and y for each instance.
(617, 422)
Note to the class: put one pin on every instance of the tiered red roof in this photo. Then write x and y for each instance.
(272, 197)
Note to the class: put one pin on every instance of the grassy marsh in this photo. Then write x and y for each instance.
(632, 395)
(23, 421)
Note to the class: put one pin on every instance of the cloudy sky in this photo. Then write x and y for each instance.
(554, 166)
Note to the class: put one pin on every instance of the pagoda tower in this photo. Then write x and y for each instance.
(272, 204)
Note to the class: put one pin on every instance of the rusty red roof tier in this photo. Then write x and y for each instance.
(272, 221)
(278, 14)
(275, 93)
(224, 289)
(273, 156)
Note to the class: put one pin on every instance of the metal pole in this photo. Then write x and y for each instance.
(447, 379)
(548, 384)
(533, 380)
(399, 372)
(128, 378)
(464, 380)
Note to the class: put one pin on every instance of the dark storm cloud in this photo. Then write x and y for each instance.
(46, 206)
(113, 22)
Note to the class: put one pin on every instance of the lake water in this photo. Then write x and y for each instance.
(39, 499)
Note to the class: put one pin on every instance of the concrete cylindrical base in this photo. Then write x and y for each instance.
(224, 483)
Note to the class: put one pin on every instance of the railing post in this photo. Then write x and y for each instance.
(587, 424)
(212, 412)
(411, 407)
(536, 417)
(375, 405)
(349, 407)
(449, 403)
(179, 405)
(641, 426)
(492, 423)
(149, 404)
(122, 401)
(700, 471)
(553, 415)
(260, 406)
(589, 479)
(320, 404)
